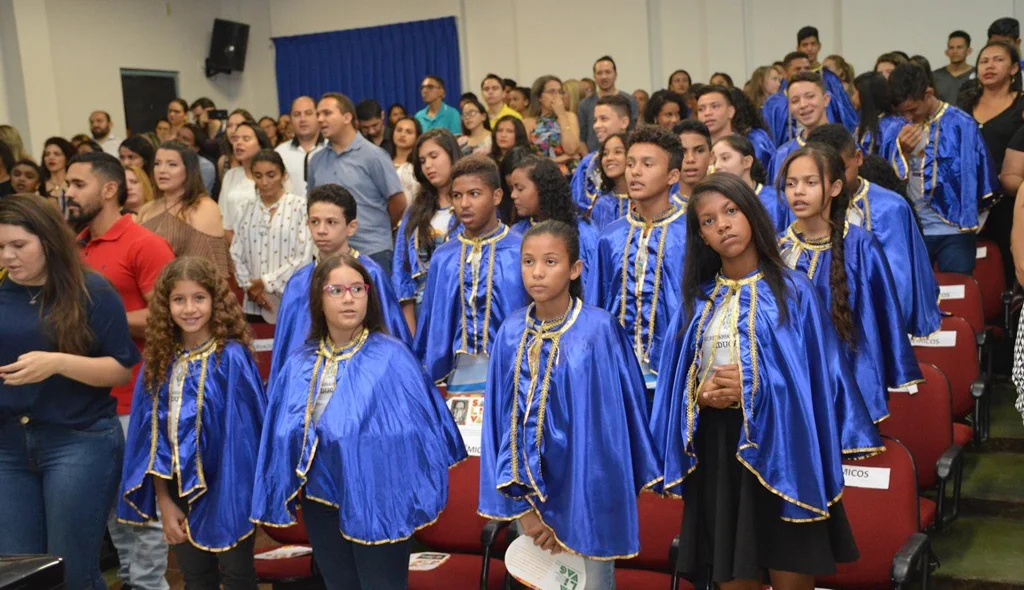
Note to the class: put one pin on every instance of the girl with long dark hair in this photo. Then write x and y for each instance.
(612, 200)
(727, 419)
(874, 107)
(849, 268)
(735, 154)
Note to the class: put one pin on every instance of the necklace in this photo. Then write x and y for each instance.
(33, 298)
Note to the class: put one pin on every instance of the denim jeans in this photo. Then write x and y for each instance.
(600, 574)
(384, 260)
(140, 549)
(57, 486)
(953, 253)
(349, 565)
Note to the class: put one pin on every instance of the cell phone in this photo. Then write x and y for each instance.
(217, 114)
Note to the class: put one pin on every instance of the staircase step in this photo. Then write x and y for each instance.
(1007, 432)
(997, 477)
(980, 552)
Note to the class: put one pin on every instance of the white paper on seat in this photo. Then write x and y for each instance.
(543, 570)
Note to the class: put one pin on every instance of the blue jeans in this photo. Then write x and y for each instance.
(140, 549)
(953, 253)
(600, 574)
(349, 565)
(384, 260)
(57, 486)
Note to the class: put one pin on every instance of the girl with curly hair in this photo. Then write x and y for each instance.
(195, 427)
(852, 275)
(370, 472)
(541, 192)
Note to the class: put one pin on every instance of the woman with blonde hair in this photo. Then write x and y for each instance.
(764, 82)
(140, 189)
(10, 136)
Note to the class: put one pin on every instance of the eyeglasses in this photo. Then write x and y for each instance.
(337, 291)
(469, 114)
(429, 87)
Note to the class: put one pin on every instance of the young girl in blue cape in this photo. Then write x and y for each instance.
(744, 411)
(356, 427)
(565, 435)
(848, 266)
(196, 419)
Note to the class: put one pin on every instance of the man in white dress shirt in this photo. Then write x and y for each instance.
(308, 141)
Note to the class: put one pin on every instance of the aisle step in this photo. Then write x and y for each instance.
(981, 552)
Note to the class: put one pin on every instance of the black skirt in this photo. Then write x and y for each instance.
(732, 528)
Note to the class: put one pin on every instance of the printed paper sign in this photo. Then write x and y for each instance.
(285, 552)
(263, 344)
(468, 412)
(543, 570)
(982, 252)
(872, 478)
(911, 389)
(951, 292)
(424, 562)
(940, 339)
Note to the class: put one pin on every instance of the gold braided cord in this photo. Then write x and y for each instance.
(516, 372)
(657, 290)
(462, 293)
(625, 275)
(490, 291)
(691, 377)
(860, 201)
(476, 247)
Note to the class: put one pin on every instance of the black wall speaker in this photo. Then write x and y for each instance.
(227, 47)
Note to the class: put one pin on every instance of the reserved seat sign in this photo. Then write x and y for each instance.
(872, 478)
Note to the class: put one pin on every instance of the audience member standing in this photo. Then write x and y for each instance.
(403, 137)
(605, 74)
(949, 79)
(238, 187)
(65, 344)
(272, 241)
(370, 120)
(182, 213)
(553, 130)
(437, 113)
(6, 169)
(307, 142)
(493, 94)
(131, 257)
(176, 115)
(57, 151)
(194, 136)
(367, 172)
(100, 126)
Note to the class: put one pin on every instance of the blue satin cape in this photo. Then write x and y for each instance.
(881, 356)
(890, 219)
(764, 147)
(642, 292)
(868, 143)
(780, 158)
(408, 271)
(792, 376)
(776, 206)
(293, 316)
(464, 304)
(775, 111)
(608, 207)
(588, 252)
(380, 452)
(586, 181)
(565, 430)
(222, 408)
(959, 176)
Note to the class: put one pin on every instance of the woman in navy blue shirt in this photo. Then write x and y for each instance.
(64, 343)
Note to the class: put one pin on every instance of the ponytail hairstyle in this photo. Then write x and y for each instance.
(570, 237)
(741, 144)
(553, 192)
(831, 170)
(703, 263)
(426, 202)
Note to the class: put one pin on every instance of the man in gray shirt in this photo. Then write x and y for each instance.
(605, 74)
(365, 170)
(949, 79)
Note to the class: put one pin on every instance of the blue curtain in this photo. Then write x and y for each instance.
(387, 63)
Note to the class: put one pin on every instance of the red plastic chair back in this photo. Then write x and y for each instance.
(960, 295)
(459, 527)
(991, 277)
(660, 520)
(954, 351)
(882, 520)
(923, 422)
(264, 342)
(290, 535)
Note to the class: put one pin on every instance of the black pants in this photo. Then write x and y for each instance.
(207, 570)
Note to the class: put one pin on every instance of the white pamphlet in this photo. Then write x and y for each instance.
(543, 570)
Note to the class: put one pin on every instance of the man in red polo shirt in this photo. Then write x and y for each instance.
(131, 257)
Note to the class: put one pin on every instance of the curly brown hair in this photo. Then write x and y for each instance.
(163, 336)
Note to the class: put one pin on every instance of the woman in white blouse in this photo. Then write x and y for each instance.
(403, 138)
(271, 241)
(238, 187)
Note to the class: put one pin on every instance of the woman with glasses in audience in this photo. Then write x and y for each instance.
(552, 128)
(476, 128)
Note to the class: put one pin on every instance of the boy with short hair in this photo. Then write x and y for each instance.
(611, 116)
(808, 104)
(473, 284)
(331, 218)
(640, 256)
(696, 142)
